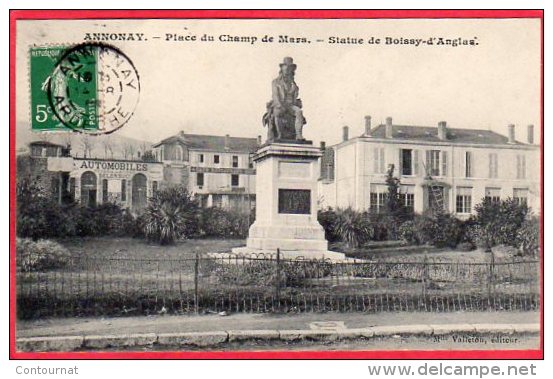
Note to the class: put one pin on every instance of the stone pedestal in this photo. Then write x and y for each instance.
(286, 204)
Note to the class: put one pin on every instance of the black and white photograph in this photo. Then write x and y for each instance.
(280, 185)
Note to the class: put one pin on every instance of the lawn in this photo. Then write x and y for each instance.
(133, 248)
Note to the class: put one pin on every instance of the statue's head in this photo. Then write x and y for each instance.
(287, 67)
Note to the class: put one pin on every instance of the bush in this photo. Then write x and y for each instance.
(411, 233)
(528, 237)
(171, 214)
(499, 222)
(40, 255)
(438, 229)
(220, 223)
(38, 216)
(327, 218)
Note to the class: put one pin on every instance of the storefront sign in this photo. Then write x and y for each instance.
(111, 165)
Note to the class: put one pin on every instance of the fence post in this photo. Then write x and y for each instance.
(424, 279)
(196, 269)
(491, 277)
(277, 284)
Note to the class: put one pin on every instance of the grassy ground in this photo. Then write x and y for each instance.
(124, 248)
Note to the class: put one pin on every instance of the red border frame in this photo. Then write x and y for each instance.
(16, 15)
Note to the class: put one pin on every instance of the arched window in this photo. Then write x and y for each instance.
(88, 189)
(139, 195)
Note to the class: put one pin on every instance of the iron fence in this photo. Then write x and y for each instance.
(204, 284)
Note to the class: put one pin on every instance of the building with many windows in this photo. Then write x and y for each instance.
(447, 168)
(217, 169)
(92, 181)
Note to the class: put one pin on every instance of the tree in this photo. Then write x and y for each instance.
(396, 211)
(107, 144)
(87, 144)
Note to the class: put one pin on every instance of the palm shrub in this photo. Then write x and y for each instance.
(171, 214)
(352, 227)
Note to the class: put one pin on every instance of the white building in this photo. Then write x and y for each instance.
(217, 169)
(438, 167)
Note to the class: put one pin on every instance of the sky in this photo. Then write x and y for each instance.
(222, 87)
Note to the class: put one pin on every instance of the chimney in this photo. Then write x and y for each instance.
(323, 146)
(389, 131)
(345, 133)
(511, 128)
(442, 130)
(259, 141)
(531, 134)
(367, 125)
(227, 141)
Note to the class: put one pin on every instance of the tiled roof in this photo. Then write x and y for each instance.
(217, 143)
(430, 134)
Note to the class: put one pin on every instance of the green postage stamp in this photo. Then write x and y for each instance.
(90, 88)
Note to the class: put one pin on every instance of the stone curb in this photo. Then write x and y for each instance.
(214, 338)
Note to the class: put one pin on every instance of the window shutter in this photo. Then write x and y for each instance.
(428, 162)
(444, 163)
(490, 165)
(400, 164)
(523, 164)
(382, 162)
(416, 162)
(375, 160)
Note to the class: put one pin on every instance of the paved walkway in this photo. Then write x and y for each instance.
(244, 321)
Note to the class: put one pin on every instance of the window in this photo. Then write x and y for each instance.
(72, 188)
(407, 197)
(520, 195)
(493, 195)
(36, 151)
(235, 180)
(217, 201)
(123, 190)
(154, 187)
(464, 200)
(379, 161)
(468, 164)
(433, 162)
(521, 167)
(377, 199)
(406, 162)
(216, 159)
(201, 158)
(250, 162)
(104, 191)
(493, 165)
(234, 161)
(51, 151)
(200, 179)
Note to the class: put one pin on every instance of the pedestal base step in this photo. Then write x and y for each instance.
(247, 252)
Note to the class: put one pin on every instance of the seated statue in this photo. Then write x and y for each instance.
(284, 116)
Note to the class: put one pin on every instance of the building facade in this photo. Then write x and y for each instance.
(92, 181)
(452, 169)
(216, 169)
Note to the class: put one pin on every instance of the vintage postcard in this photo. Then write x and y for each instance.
(353, 184)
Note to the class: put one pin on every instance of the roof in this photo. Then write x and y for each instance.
(217, 143)
(44, 143)
(430, 134)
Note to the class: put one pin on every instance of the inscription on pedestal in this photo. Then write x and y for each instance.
(294, 201)
(300, 170)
